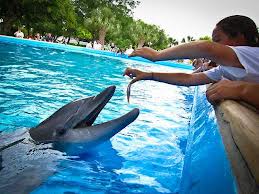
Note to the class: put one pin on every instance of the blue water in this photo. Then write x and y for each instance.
(149, 156)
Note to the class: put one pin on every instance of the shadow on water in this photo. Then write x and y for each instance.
(92, 172)
(26, 167)
(105, 154)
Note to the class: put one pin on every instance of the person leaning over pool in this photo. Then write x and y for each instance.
(234, 90)
(235, 47)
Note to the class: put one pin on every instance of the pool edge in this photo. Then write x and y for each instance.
(239, 129)
(42, 44)
(206, 166)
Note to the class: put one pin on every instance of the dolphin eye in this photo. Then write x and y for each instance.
(61, 131)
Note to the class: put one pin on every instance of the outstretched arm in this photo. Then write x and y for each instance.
(183, 79)
(234, 90)
(216, 52)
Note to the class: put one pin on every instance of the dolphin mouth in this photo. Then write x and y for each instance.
(97, 104)
(73, 122)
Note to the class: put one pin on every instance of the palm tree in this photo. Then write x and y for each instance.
(172, 41)
(102, 20)
(190, 39)
(144, 33)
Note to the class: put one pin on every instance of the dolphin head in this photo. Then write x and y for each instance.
(72, 124)
(79, 113)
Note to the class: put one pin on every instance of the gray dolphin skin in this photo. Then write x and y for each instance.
(70, 128)
(25, 164)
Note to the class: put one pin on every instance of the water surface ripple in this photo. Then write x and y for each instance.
(145, 157)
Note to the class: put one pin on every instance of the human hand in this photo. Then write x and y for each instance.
(137, 75)
(224, 89)
(145, 52)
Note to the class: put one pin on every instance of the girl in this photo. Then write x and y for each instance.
(234, 48)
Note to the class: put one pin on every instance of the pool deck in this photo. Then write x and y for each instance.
(239, 128)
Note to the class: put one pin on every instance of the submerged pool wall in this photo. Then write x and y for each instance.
(85, 50)
(206, 167)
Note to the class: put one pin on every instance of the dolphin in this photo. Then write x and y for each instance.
(27, 157)
(71, 129)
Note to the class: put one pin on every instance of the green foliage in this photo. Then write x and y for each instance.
(101, 18)
(172, 41)
(161, 41)
(122, 43)
(143, 33)
(55, 16)
(83, 34)
(121, 35)
(106, 20)
(205, 38)
(190, 39)
(25, 32)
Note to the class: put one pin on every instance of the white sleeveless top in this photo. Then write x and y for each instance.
(248, 57)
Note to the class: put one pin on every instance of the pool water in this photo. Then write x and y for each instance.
(148, 156)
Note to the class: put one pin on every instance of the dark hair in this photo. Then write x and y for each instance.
(238, 24)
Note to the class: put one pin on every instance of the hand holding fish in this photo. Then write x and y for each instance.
(136, 75)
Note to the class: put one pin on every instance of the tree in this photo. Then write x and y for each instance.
(101, 21)
(172, 41)
(190, 39)
(11, 12)
(121, 36)
(140, 32)
(53, 16)
(57, 17)
(85, 7)
(130, 4)
(84, 34)
(106, 20)
(162, 40)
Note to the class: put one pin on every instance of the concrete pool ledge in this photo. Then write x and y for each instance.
(239, 128)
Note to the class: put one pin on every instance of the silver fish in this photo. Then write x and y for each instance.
(128, 91)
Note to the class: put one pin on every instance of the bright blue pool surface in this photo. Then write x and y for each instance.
(174, 146)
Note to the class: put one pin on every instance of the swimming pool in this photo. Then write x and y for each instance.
(173, 147)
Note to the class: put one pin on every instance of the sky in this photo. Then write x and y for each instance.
(196, 18)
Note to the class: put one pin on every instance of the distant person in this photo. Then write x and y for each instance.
(89, 45)
(113, 47)
(129, 50)
(64, 41)
(201, 65)
(19, 33)
(49, 38)
(97, 45)
(120, 52)
(197, 63)
(234, 47)
(37, 36)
